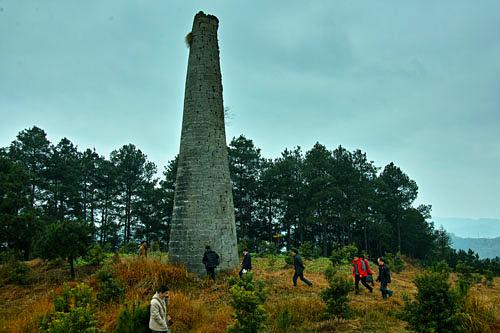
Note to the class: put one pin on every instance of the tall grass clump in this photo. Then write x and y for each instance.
(478, 316)
(148, 274)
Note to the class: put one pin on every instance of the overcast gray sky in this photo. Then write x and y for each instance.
(417, 83)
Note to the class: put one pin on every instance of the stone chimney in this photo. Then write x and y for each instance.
(203, 211)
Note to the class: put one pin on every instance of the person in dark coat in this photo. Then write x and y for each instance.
(211, 261)
(246, 264)
(298, 265)
(359, 271)
(384, 277)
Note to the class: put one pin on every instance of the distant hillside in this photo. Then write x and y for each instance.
(485, 247)
(469, 228)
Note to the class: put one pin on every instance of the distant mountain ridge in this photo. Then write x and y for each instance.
(469, 227)
(485, 247)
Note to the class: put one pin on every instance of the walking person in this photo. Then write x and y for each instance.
(359, 272)
(298, 265)
(384, 277)
(158, 317)
(369, 272)
(246, 264)
(211, 261)
(143, 249)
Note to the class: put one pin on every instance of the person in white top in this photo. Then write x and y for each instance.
(158, 318)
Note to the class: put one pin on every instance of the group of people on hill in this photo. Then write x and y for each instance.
(159, 320)
(362, 273)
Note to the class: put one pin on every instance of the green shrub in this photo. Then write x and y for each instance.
(79, 296)
(110, 289)
(284, 320)
(343, 255)
(129, 248)
(336, 295)
(14, 272)
(271, 261)
(133, 318)
(74, 311)
(309, 251)
(436, 306)
(95, 255)
(247, 300)
(76, 321)
(266, 247)
(288, 261)
(441, 267)
(488, 278)
(394, 262)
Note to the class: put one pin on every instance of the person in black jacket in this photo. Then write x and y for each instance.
(298, 265)
(246, 264)
(384, 277)
(211, 261)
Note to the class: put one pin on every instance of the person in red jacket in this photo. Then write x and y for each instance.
(359, 271)
(369, 272)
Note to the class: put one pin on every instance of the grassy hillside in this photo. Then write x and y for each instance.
(198, 305)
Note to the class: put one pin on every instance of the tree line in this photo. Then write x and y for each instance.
(322, 198)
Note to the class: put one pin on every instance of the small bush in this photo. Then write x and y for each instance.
(394, 262)
(133, 318)
(336, 295)
(435, 308)
(14, 272)
(288, 261)
(110, 289)
(266, 247)
(129, 248)
(247, 300)
(74, 311)
(488, 278)
(77, 320)
(441, 267)
(284, 320)
(72, 297)
(271, 261)
(95, 255)
(309, 251)
(343, 255)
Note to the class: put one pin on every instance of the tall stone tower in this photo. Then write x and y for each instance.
(203, 211)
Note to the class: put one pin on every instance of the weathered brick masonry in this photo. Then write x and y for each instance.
(203, 205)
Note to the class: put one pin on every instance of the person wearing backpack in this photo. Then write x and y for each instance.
(359, 272)
(211, 261)
(369, 272)
(158, 318)
(384, 277)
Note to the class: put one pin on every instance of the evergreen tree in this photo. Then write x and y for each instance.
(64, 239)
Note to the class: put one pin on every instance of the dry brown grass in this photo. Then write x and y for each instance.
(27, 319)
(199, 305)
(148, 274)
